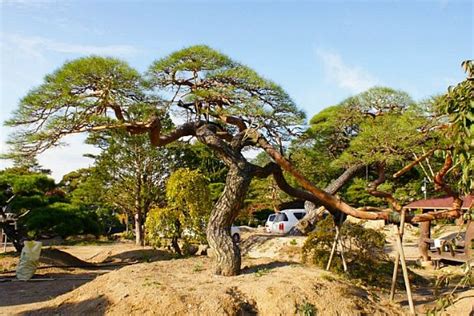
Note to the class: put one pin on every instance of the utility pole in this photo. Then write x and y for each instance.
(424, 187)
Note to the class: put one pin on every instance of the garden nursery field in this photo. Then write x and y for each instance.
(129, 280)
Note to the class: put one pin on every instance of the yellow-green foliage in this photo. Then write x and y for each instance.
(188, 191)
(187, 211)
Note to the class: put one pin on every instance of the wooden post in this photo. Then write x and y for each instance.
(344, 264)
(398, 238)
(397, 257)
(469, 239)
(394, 275)
(423, 246)
(4, 241)
(333, 250)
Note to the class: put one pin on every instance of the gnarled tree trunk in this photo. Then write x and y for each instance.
(225, 211)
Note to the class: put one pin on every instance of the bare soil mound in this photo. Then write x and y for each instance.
(189, 287)
(59, 258)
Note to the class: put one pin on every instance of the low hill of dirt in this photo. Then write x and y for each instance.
(188, 287)
(124, 279)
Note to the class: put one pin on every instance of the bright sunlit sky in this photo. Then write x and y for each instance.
(320, 52)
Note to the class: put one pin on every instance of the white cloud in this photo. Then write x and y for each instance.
(352, 78)
(62, 160)
(36, 46)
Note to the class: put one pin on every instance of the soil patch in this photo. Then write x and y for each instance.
(189, 287)
(125, 279)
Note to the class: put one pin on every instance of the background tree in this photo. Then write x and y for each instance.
(45, 209)
(186, 213)
(197, 156)
(133, 173)
(87, 190)
(319, 153)
(456, 108)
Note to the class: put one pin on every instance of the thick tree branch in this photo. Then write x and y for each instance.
(372, 189)
(265, 171)
(306, 224)
(348, 174)
(430, 216)
(207, 134)
(441, 185)
(233, 120)
(158, 139)
(329, 201)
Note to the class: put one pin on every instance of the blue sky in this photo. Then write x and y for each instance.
(319, 51)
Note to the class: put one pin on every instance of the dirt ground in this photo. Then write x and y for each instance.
(130, 280)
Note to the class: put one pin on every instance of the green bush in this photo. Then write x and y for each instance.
(160, 226)
(363, 251)
(185, 216)
(61, 219)
(20, 203)
(27, 184)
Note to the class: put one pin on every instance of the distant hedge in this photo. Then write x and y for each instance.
(61, 219)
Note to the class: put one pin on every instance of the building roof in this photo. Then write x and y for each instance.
(440, 203)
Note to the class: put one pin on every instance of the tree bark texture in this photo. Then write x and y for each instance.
(225, 211)
(174, 240)
(469, 238)
(138, 229)
(423, 246)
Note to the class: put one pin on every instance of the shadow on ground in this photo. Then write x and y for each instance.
(41, 287)
(141, 255)
(64, 273)
(427, 298)
(95, 306)
(266, 266)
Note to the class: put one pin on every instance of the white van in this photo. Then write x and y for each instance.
(286, 220)
(269, 223)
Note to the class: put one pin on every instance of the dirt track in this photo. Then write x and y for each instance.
(152, 282)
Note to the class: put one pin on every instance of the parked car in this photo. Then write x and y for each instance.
(235, 233)
(454, 239)
(269, 223)
(285, 220)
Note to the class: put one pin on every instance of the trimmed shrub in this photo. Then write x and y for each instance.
(61, 219)
(363, 251)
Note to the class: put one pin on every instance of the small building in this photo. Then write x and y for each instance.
(441, 252)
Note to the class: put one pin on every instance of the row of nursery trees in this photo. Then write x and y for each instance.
(381, 137)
